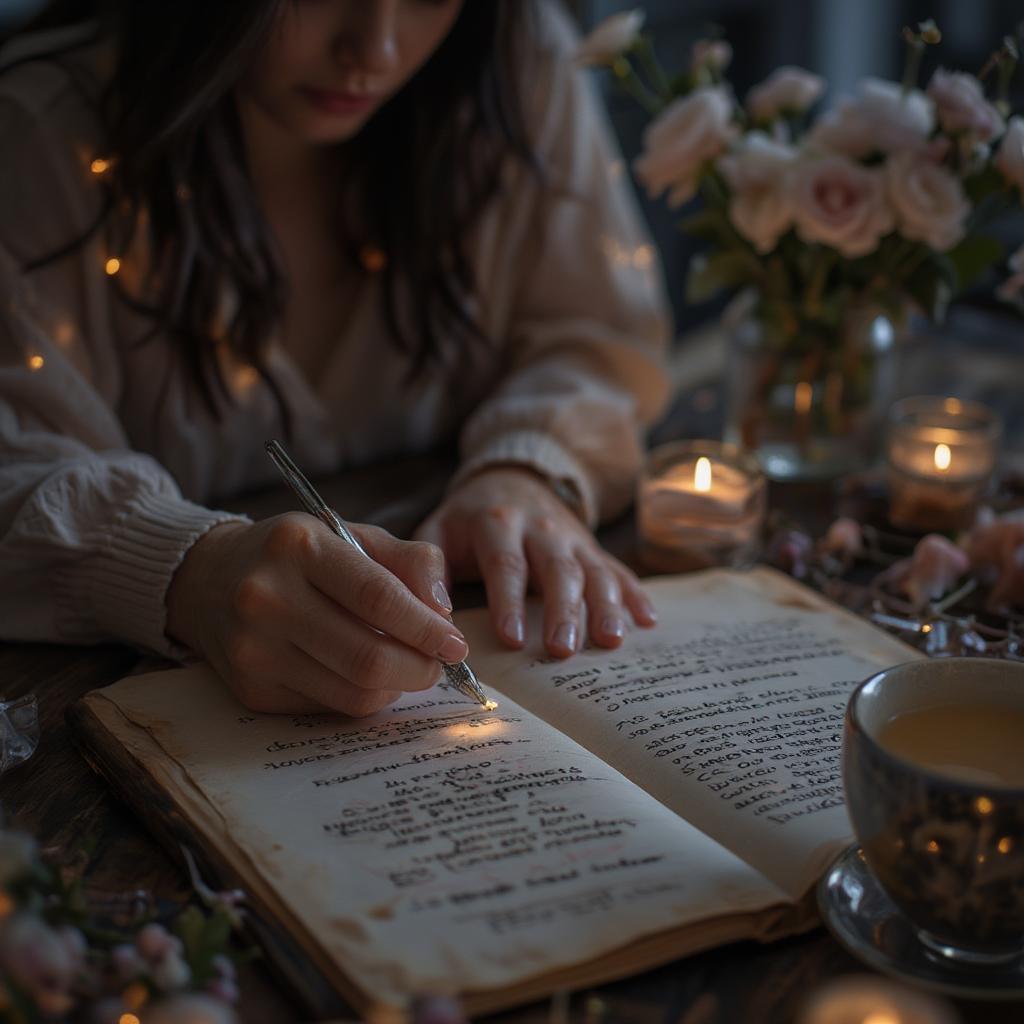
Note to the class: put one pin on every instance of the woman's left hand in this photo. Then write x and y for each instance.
(508, 528)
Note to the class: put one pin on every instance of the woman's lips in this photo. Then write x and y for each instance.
(330, 101)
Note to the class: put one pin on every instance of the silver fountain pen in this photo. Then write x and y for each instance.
(461, 676)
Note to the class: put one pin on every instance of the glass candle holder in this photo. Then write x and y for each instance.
(699, 504)
(941, 454)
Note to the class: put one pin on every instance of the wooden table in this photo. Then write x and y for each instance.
(56, 797)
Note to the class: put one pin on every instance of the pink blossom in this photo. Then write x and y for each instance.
(154, 942)
(715, 54)
(786, 90)
(997, 545)
(882, 118)
(40, 960)
(843, 538)
(223, 989)
(128, 963)
(840, 204)
(929, 202)
(961, 106)
(1009, 157)
(685, 135)
(935, 566)
(759, 206)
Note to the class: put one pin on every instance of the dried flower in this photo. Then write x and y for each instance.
(843, 539)
(935, 566)
(997, 546)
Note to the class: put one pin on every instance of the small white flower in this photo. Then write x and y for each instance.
(786, 90)
(961, 106)
(759, 206)
(1009, 157)
(928, 201)
(883, 118)
(154, 942)
(687, 133)
(611, 38)
(715, 54)
(839, 203)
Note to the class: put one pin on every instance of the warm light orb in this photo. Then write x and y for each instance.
(99, 165)
(112, 266)
(943, 457)
(802, 397)
(35, 362)
(127, 1018)
(881, 1017)
(702, 474)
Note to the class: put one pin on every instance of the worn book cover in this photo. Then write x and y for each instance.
(616, 811)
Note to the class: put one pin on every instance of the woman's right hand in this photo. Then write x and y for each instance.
(295, 620)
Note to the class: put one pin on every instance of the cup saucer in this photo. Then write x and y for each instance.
(866, 922)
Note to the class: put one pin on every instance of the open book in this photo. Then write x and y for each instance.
(618, 810)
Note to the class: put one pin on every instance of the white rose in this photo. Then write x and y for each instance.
(785, 89)
(756, 172)
(1010, 155)
(839, 203)
(688, 132)
(928, 201)
(883, 118)
(961, 106)
(610, 38)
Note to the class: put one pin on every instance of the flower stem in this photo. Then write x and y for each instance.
(652, 66)
(633, 85)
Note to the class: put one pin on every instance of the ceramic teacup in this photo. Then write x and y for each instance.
(933, 769)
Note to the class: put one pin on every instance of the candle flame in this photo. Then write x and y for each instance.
(881, 1017)
(943, 457)
(702, 474)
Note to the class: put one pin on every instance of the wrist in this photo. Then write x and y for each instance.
(562, 488)
(184, 599)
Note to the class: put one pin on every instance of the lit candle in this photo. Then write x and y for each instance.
(867, 999)
(699, 503)
(941, 455)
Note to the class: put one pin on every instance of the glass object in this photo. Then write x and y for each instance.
(19, 730)
(941, 454)
(810, 404)
(699, 504)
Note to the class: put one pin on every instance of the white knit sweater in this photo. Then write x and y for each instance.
(110, 464)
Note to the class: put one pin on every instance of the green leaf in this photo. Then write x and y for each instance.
(710, 274)
(973, 256)
(189, 926)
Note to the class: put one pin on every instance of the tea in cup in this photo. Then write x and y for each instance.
(933, 770)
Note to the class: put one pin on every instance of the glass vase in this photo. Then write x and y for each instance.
(810, 402)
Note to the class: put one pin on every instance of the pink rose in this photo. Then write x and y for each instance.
(785, 90)
(610, 38)
(1009, 157)
(687, 133)
(961, 106)
(932, 570)
(883, 118)
(839, 203)
(756, 172)
(928, 201)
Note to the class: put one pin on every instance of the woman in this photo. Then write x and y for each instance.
(373, 226)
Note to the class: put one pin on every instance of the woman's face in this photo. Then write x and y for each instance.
(328, 65)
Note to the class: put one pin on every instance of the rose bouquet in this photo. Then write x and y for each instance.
(831, 227)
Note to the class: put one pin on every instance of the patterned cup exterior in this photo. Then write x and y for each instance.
(949, 853)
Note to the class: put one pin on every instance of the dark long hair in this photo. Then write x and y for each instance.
(422, 169)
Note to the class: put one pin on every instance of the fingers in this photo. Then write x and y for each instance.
(370, 590)
(606, 621)
(635, 598)
(560, 576)
(498, 547)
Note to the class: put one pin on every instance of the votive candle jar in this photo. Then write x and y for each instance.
(941, 455)
(699, 504)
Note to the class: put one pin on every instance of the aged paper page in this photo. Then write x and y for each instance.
(435, 846)
(729, 712)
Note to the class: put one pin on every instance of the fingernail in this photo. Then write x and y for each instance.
(512, 628)
(613, 626)
(454, 649)
(649, 612)
(440, 595)
(565, 636)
